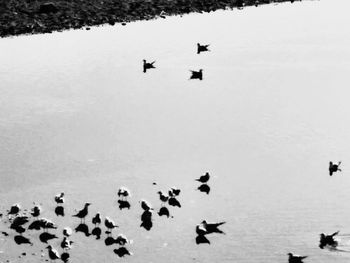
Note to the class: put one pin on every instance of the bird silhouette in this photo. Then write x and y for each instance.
(53, 254)
(197, 74)
(212, 227)
(59, 211)
(121, 240)
(124, 204)
(109, 241)
(19, 240)
(37, 225)
(334, 168)
(122, 251)
(174, 202)
(204, 188)
(96, 232)
(147, 65)
(202, 239)
(163, 211)
(295, 258)
(145, 205)
(328, 240)
(204, 178)
(109, 223)
(45, 236)
(202, 48)
(83, 213)
(83, 228)
(35, 212)
(59, 199)
(96, 220)
(146, 220)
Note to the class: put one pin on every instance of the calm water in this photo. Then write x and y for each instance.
(78, 115)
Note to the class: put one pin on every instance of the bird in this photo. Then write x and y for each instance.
(124, 192)
(66, 244)
(36, 210)
(44, 237)
(22, 240)
(37, 224)
(204, 188)
(123, 204)
(328, 240)
(174, 202)
(145, 205)
(83, 213)
(19, 221)
(201, 230)
(163, 197)
(204, 178)
(14, 210)
(295, 258)
(175, 191)
(48, 224)
(109, 223)
(212, 227)
(122, 251)
(53, 254)
(202, 48)
(163, 211)
(147, 65)
(59, 199)
(59, 210)
(334, 168)
(96, 220)
(121, 240)
(197, 74)
(202, 239)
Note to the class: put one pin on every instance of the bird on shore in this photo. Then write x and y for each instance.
(124, 192)
(148, 65)
(83, 213)
(53, 254)
(197, 74)
(96, 220)
(109, 223)
(202, 48)
(44, 237)
(295, 258)
(204, 178)
(145, 205)
(164, 198)
(212, 227)
(334, 168)
(328, 240)
(14, 210)
(59, 199)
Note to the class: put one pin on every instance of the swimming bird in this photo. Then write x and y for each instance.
(124, 192)
(36, 210)
(145, 205)
(204, 188)
(295, 258)
(59, 199)
(334, 168)
(19, 221)
(328, 240)
(48, 224)
(202, 48)
(37, 225)
(19, 229)
(14, 210)
(66, 244)
(204, 178)
(212, 227)
(109, 223)
(53, 254)
(197, 74)
(83, 213)
(147, 65)
(163, 197)
(121, 240)
(83, 228)
(96, 220)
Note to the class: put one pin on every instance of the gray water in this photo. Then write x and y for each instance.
(78, 115)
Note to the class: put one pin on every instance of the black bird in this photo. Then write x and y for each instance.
(334, 168)
(202, 48)
(204, 178)
(66, 244)
(121, 240)
(83, 228)
(147, 65)
(163, 197)
(328, 240)
(145, 205)
(109, 223)
(201, 239)
(204, 188)
(14, 210)
(53, 254)
(83, 213)
(174, 202)
(124, 204)
(109, 241)
(122, 251)
(295, 258)
(59, 199)
(175, 191)
(96, 232)
(22, 240)
(45, 236)
(59, 211)
(19, 221)
(96, 220)
(212, 227)
(197, 74)
(163, 211)
(35, 211)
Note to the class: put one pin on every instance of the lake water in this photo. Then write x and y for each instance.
(78, 115)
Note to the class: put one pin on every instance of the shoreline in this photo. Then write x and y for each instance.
(19, 17)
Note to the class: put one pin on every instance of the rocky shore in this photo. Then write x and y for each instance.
(42, 16)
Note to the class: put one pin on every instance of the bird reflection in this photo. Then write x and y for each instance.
(204, 188)
(96, 232)
(83, 228)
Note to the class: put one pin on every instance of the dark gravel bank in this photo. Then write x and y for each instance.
(43, 16)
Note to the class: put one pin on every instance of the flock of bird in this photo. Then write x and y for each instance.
(23, 222)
